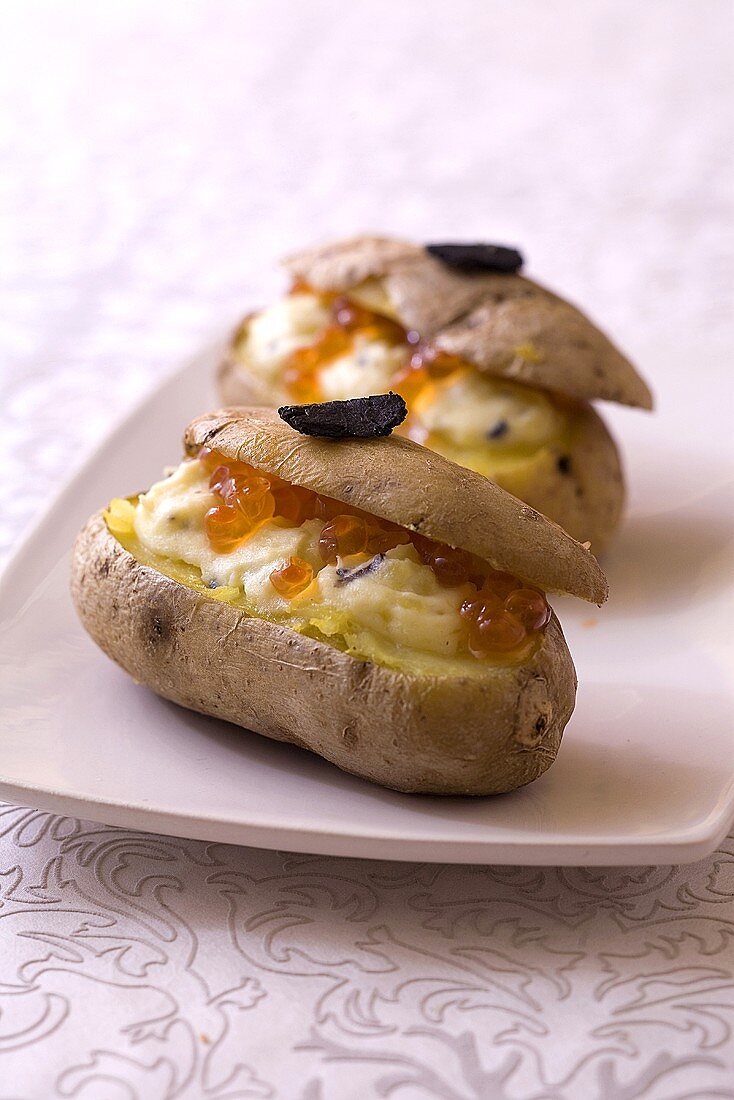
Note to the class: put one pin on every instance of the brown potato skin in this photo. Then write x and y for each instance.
(433, 735)
(584, 495)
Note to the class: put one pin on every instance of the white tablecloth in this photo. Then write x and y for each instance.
(156, 159)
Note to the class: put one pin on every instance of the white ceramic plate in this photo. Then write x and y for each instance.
(646, 769)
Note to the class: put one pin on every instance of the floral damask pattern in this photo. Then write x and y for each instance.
(155, 968)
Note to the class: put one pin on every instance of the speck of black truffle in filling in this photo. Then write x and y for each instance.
(370, 566)
(499, 430)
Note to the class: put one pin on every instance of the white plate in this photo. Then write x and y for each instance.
(645, 772)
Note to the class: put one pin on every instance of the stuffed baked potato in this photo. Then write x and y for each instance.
(498, 372)
(365, 599)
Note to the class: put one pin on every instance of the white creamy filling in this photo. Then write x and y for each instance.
(369, 368)
(276, 332)
(473, 409)
(400, 603)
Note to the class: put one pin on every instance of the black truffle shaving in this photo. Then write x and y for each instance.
(360, 570)
(500, 428)
(360, 418)
(472, 258)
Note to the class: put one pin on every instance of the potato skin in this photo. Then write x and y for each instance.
(579, 485)
(436, 735)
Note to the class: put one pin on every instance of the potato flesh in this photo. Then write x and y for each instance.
(397, 616)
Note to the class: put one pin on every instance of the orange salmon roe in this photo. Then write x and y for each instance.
(247, 503)
(342, 536)
(529, 608)
(225, 528)
(328, 508)
(424, 365)
(292, 578)
(383, 536)
(499, 633)
(502, 615)
(348, 321)
(293, 504)
(452, 567)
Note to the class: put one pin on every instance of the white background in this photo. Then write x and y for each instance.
(156, 160)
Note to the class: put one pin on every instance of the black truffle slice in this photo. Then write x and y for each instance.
(360, 418)
(477, 257)
(499, 430)
(371, 566)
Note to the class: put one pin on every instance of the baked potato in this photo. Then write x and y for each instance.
(366, 599)
(498, 372)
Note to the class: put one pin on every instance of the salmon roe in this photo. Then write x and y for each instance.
(348, 321)
(502, 615)
(341, 537)
(292, 578)
(424, 365)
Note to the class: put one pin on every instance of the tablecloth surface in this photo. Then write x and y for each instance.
(156, 160)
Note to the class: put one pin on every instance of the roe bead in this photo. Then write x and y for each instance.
(342, 536)
(292, 578)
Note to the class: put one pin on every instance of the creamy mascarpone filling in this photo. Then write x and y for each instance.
(386, 615)
(369, 368)
(472, 410)
(276, 332)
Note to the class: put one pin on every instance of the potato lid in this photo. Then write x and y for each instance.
(398, 480)
(503, 323)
